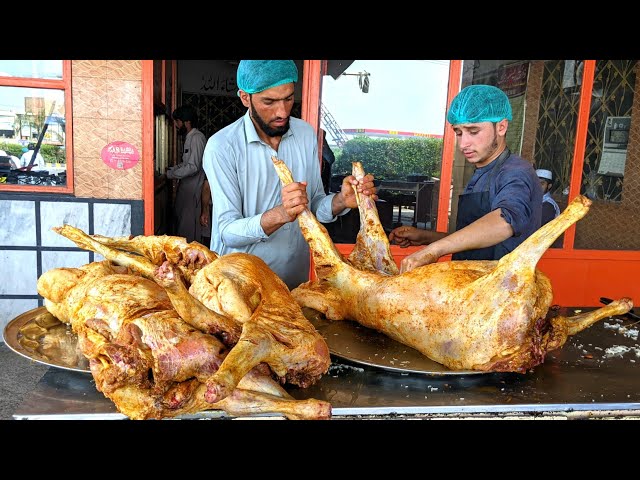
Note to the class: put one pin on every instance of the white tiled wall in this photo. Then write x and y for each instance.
(20, 250)
(21, 272)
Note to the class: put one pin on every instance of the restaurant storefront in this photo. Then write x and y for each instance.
(103, 129)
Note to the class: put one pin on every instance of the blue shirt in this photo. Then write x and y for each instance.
(244, 185)
(516, 190)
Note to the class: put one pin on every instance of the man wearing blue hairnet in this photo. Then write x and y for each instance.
(500, 206)
(252, 212)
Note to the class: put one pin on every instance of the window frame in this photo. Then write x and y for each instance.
(54, 84)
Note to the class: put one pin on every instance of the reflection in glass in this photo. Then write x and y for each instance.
(50, 69)
(610, 174)
(557, 122)
(608, 131)
(32, 120)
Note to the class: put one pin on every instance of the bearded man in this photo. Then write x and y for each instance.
(252, 212)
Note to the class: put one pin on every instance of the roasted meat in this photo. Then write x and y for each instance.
(467, 315)
(158, 351)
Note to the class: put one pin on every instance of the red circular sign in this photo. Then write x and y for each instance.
(120, 155)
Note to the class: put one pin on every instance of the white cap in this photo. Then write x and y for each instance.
(546, 174)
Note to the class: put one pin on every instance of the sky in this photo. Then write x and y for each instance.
(12, 98)
(404, 95)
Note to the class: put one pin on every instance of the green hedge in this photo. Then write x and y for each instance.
(51, 153)
(390, 158)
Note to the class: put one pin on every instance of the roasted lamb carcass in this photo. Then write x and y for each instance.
(467, 315)
(155, 351)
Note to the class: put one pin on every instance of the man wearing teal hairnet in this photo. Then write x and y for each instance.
(252, 212)
(500, 206)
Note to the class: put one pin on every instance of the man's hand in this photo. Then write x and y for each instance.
(406, 236)
(346, 198)
(204, 217)
(424, 256)
(294, 200)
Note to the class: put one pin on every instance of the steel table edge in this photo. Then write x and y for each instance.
(609, 408)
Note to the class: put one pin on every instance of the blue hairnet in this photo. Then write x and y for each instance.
(479, 103)
(254, 76)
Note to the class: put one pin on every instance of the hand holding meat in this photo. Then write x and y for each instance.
(294, 200)
(409, 236)
(347, 196)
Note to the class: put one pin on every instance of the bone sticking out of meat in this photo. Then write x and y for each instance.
(372, 251)
(467, 315)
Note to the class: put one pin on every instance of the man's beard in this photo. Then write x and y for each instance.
(182, 130)
(264, 126)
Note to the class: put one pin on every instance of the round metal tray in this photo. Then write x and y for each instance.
(40, 336)
(351, 341)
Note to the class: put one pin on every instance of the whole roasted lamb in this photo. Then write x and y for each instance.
(467, 315)
(158, 351)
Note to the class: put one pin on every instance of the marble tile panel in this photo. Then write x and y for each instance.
(112, 220)
(51, 260)
(21, 272)
(88, 68)
(124, 99)
(124, 69)
(89, 98)
(18, 223)
(11, 308)
(90, 135)
(55, 214)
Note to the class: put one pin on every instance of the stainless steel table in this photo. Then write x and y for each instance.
(595, 375)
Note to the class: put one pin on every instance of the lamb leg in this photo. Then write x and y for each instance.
(190, 309)
(579, 322)
(246, 402)
(515, 273)
(189, 258)
(140, 264)
(527, 254)
(161, 247)
(326, 257)
(252, 349)
(371, 251)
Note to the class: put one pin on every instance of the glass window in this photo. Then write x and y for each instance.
(51, 69)
(389, 115)
(30, 119)
(611, 173)
(33, 126)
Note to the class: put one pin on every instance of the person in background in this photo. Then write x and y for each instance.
(25, 159)
(502, 203)
(189, 174)
(550, 208)
(205, 215)
(252, 212)
(13, 161)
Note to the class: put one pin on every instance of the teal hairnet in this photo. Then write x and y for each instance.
(254, 76)
(479, 103)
